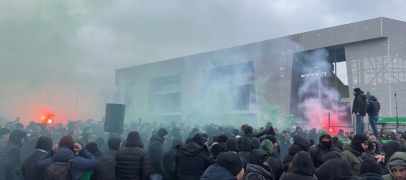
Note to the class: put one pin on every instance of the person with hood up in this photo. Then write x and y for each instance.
(256, 142)
(275, 153)
(396, 167)
(258, 167)
(216, 149)
(352, 153)
(169, 158)
(325, 146)
(299, 144)
(30, 170)
(359, 107)
(299, 131)
(132, 162)
(106, 170)
(246, 147)
(228, 167)
(231, 145)
(371, 170)
(156, 153)
(390, 148)
(373, 107)
(67, 150)
(114, 144)
(267, 147)
(377, 147)
(192, 159)
(10, 156)
(301, 168)
(222, 139)
(336, 169)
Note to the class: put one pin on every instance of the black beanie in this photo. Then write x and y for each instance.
(257, 157)
(216, 149)
(92, 148)
(114, 143)
(45, 143)
(222, 138)
(231, 162)
(17, 136)
(356, 142)
(357, 90)
(162, 132)
(370, 166)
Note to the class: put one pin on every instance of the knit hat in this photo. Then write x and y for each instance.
(256, 142)
(114, 143)
(357, 90)
(368, 95)
(162, 132)
(231, 145)
(231, 162)
(222, 138)
(67, 141)
(356, 142)
(370, 166)
(17, 136)
(4, 131)
(45, 143)
(216, 149)
(92, 148)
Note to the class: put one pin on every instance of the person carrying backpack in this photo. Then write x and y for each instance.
(62, 164)
(373, 108)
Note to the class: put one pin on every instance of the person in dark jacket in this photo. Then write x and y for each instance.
(114, 145)
(352, 153)
(371, 170)
(299, 144)
(30, 170)
(373, 107)
(390, 148)
(169, 158)
(222, 139)
(155, 153)
(301, 168)
(106, 170)
(216, 149)
(325, 146)
(66, 151)
(335, 169)
(246, 147)
(10, 156)
(267, 131)
(359, 107)
(228, 167)
(132, 162)
(231, 145)
(192, 159)
(257, 167)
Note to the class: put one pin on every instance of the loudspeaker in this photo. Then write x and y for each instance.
(114, 119)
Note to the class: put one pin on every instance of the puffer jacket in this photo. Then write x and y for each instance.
(106, 169)
(84, 162)
(373, 106)
(299, 144)
(216, 172)
(132, 162)
(393, 160)
(155, 153)
(303, 168)
(359, 105)
(9, 160)
(352, 156)
(320, 150)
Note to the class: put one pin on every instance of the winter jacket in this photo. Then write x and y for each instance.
(169, 158)
(267, 131)
(114, 146)
(352, 156)
(255, 172)
(373, 106)
(191, 161)
(396, 156)
(155, 153)
(216, 172)
(372, 176)
(29, 169)
(246, 147)
(106, 169)
(84, 162)
(276, 167)
(320, 150)
(299, 144)
(335, 169)
(10, 160)
(360, 104)
(132, 162)
(303, 168)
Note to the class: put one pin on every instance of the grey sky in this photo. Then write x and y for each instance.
(49, 48)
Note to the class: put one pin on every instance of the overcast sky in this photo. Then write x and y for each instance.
(49, 48)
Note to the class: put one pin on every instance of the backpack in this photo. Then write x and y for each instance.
(59, 171)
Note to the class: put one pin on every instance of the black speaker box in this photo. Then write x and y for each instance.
(114, 119)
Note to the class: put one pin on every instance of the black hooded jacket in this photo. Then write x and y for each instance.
(299, 144)
(335, 169)
(303, 168)
(29, 169)
(373, 106)
(191, 160)
(246, 148)
(10, 156)
(231, 145)
(155, 153)
(132, 162)
(320, 150)
(390, 148)
(106, 170)
(360, 104)
(256, 172)
(169, 158)
(114, 146)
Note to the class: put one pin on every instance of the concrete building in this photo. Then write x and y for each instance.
(270, 72)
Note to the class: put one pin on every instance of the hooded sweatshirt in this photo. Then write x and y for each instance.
(398, 159)
(322, 149)
(335, 169)
(303, 168)
(299, 144)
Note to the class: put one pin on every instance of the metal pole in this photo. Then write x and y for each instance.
(397, 117)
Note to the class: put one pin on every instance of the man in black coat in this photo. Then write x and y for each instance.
(373, 107)
(169, 158)
(10, 156)
(359, 107)
(155, 153)
(106, 170)
(325, 146)
(114, 145)
(30, 170)
(192, 159)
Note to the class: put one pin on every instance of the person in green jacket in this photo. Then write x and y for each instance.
(266, 147)
(397, 167)
(351, 153)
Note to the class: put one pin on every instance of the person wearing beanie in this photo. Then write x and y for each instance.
(216, 149)
(106, 170)
(301, 168)
(299, 144)
(228, 167)
(4, 135)
(10, 156)
(325, 146)
(155, 153)
(336, 169)
(169, 158)
(222, 139)
(114, 144)
(258, 167)
(192, 159)
(231, 145)
(396, 167)
(359, 107)
(351, 153)
(66, 150)
(256, 142)
(29, 169)
(373, 108)
(371, 170)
